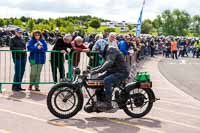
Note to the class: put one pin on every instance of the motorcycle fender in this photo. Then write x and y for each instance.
(133, 85)
(152, 95)
(75, 87)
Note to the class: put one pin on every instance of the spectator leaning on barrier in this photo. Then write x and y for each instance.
(19, 58)
(112, 40)
(174, 48)
(98, 46)
(37, 47)
(62, 45)
(77, 47)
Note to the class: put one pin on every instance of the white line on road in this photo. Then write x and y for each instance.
(31, 117)
(180, 101)
(174, 122)
(178, 113)
(166, 110)
(164, 120)
(42, 120)
(131, 125)
(179, 104)
(4, 131)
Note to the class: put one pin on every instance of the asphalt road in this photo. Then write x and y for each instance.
(26, 112)
(183, 73)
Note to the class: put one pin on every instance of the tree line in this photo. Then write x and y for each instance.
(66, 24)
(176, 22)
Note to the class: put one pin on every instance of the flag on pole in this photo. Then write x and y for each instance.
(139, 22)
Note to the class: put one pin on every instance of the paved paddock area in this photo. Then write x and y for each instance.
(26, 112)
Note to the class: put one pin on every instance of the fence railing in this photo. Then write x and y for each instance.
(21, 67)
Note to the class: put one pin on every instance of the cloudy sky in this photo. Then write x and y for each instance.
(118, 10)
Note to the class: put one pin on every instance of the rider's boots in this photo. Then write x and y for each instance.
(107, 104)
(99, 96)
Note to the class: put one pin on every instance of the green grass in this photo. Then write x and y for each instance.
(102, 28)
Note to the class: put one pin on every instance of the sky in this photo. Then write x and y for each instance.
(116, 10)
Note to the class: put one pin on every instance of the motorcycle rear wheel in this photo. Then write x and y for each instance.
(137, 100)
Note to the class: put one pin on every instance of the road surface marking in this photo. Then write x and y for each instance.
(169, 121)
(44, 105)
(64, 124)
(22, 100)
(163, 109)
(42, 120)
(122, 122)
(4, 131)
(174, 122)
(166, 110)
(178, 101)
(178, 113)
(179, 104)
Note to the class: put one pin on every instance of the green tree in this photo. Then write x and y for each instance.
(69, 27)
(147, 26)
(24, 19)
(1, 22)
(157, 24)
(182, 22)
(6, 22)
(95, 23)
(175, 23)
(196, 25)
(130, 27)
(30, 24)
(58, 22)
(18, 22)
(168, 21)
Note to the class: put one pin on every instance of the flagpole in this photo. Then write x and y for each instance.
(139, 22)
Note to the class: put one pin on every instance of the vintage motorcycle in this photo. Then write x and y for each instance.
(66, 99)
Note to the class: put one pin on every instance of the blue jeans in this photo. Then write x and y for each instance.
(20, 65)
(112, 78)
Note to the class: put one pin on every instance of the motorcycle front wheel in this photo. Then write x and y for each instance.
(63, 101)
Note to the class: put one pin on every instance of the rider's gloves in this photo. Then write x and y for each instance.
(93, 72)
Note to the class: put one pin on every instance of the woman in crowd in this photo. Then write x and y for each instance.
(37, 47)
(77, 47)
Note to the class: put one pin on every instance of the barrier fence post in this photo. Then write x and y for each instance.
(70, 58)
(0, 88)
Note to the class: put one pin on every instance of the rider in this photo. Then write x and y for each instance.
(115, 69)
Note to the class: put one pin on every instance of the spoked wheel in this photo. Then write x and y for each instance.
(138, 103)
(63, 101)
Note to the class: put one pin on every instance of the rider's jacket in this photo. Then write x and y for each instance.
(114, 62)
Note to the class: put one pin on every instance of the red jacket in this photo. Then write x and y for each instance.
(77, 49)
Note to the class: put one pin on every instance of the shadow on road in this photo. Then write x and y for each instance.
(109, 125)
(36, 96)
(18, 95)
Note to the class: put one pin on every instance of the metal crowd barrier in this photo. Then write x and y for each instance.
(54, 60)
